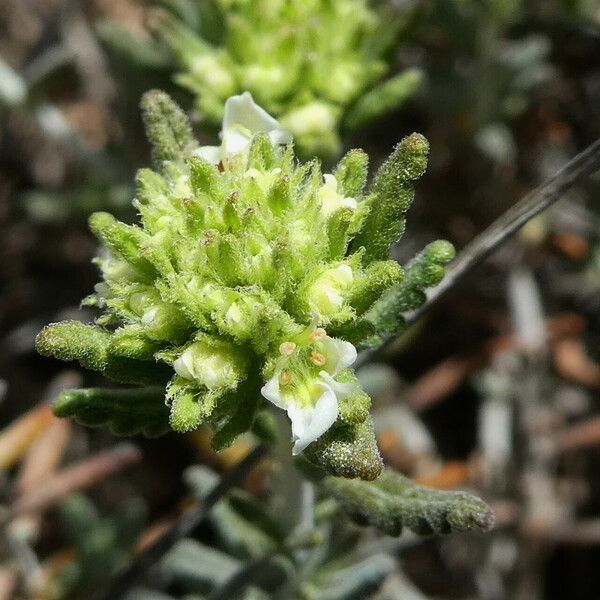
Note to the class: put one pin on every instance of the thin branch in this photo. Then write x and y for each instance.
(536, 201)
(184, 527)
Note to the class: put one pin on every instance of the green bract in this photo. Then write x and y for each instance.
(316, 65)
(250, 276)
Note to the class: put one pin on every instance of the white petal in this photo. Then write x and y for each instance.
(341, 389)
(313, 422)
(211, 154)
(280, 136)
(182, 366)
(242, 110)
(272, 393)
(342, 354)
(235, 140)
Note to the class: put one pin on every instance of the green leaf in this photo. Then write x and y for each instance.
(90, 346)
(198, 567)
(347, 451)
(124, 411)
(355, 581)
(423, 271)
(390, 196)
(393, 502)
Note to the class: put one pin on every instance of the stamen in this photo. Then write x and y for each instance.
(286, 348)
(317, 334)
(285, 377)
(317, 358)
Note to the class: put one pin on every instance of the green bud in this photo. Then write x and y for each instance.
(327, 294)
(211, 364)
(167, 128)
(124, 240)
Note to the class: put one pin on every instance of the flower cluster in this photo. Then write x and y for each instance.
(316, 65)
(250, 276)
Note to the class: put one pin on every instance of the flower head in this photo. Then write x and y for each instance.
(255, 278)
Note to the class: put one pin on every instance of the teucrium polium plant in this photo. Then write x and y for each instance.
(251, 278)
(316, 65)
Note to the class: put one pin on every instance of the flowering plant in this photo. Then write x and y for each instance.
(316, 65)
(250, 277)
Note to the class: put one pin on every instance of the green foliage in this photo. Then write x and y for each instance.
(422, 272)
(391, 195)
(124, 411)
(393, 502)
(316, 65)
(242, 281)
(102, 545)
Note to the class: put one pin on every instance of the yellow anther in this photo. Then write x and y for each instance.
(286, 348)
(317, 334)
(317, 358)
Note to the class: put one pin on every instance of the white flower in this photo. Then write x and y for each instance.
(242, 120)
(313, 408)
(330, 199)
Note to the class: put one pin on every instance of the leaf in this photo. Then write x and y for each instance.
(125, 240)
(198, 567)
(423, 271)
(347, 451)
(390, 197)
(356, 581)
(90, 346)
(351, 173)
(393, 502)
(124, 411)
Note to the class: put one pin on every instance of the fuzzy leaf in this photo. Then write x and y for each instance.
(393, 502)
(89, 345)
(423, 271)
(347, 451)
(351, 173)
(123, 240)
(124, 411)
(390, 196)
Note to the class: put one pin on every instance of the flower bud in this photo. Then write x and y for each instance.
(326, 294)
(210, 69)
(330, 199)
(214, 367)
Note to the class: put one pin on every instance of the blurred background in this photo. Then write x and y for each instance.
(496, 390)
